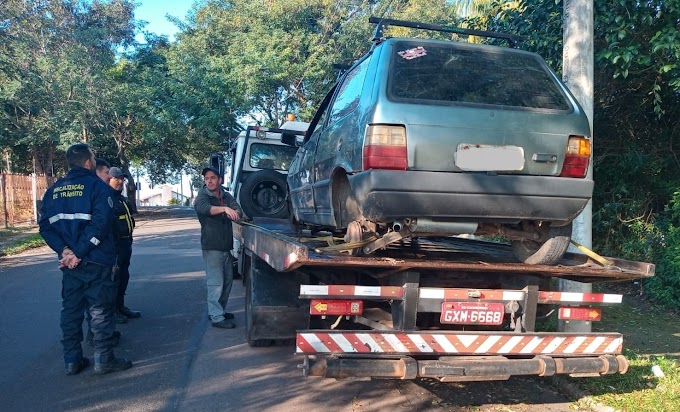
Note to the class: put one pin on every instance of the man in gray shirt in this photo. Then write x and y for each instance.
(216, 209)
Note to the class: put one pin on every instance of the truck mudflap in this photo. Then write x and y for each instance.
(460, 368)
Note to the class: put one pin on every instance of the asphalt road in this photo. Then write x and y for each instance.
(181, 363)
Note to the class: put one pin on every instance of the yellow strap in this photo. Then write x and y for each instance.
(599, 259)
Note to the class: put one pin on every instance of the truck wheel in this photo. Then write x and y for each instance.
(263, 194)
(255, 343)
(548, 252)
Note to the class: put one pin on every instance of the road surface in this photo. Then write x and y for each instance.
(181, 363)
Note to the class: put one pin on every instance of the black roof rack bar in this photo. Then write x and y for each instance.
(513, 39)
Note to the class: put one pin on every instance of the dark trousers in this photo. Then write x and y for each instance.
(124, 251)
(88, 287)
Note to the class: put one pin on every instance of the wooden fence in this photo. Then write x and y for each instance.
(21, 196)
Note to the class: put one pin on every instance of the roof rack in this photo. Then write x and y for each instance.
(382, 24)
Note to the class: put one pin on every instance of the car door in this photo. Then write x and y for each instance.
(341, 128)
(301, 174)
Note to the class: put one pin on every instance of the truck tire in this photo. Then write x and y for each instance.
(263, 194)
(545, 253)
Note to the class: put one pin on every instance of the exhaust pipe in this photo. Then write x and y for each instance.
(429, 226)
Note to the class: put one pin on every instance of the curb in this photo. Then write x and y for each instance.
(569, 389)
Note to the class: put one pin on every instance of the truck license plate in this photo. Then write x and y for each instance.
(472, 313)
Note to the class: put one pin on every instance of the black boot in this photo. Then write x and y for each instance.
(129, 313)
(114, 365)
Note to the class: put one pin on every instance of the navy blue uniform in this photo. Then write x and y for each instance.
(122, 231)
(77, 212)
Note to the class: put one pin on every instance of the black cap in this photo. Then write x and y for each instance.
(210, 169)
(116, 172)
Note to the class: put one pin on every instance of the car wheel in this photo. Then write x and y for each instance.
(263, 194)
(547, 252)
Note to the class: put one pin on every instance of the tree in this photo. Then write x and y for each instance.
(637, 102)
(52, 57)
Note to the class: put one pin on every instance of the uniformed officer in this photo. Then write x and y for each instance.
(75, 220)
(122, 231)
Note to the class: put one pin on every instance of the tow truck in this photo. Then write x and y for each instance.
(450, 308)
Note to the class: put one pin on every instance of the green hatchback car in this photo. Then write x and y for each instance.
(437, 138)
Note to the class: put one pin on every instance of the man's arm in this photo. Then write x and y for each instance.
(51, 236)
(101, 223)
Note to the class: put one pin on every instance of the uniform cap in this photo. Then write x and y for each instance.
(116, 172)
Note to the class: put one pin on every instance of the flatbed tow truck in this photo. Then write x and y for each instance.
(452, 309)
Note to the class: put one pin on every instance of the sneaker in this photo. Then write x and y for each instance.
(120, 318)
(129, 313)
(115, 365)
(224, 324)
(74, 368)
(226, 316)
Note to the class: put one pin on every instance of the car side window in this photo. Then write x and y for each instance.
(349, 94)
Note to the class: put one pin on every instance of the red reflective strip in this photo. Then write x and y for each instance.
(330, 343)
(375, 291)
(303, 346)
(392, 291)
(560, 297)
(357, 343)
(436, 347)
(340, 290)
(469, 344)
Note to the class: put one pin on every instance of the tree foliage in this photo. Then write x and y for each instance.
(637, 103)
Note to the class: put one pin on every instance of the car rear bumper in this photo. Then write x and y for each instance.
(386, 195)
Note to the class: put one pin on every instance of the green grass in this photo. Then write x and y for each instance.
(19, 245)
(651, 337)
(638, 390)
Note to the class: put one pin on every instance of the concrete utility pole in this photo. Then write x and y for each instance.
(577, 72)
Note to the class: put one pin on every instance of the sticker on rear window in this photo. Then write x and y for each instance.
(413, 53)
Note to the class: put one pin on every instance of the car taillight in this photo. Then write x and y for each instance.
(577, 157)
(385, 148)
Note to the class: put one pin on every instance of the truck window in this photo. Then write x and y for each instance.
(268, 156)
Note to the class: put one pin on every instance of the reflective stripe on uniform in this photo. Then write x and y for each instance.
(70, 216)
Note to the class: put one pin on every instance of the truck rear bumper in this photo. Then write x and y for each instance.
(459, 369)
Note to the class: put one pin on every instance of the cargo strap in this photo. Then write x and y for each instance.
(599, 259)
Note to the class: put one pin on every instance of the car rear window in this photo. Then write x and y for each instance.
(456, 73)
(269, 156)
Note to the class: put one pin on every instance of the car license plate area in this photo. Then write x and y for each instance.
(472, 313)
(484, 158)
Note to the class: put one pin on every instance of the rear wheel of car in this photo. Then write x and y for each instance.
(547, 252)
(263, 194)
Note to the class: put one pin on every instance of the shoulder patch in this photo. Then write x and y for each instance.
(110, 202)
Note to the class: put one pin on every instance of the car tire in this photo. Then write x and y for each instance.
(263, 194)
(548, 252)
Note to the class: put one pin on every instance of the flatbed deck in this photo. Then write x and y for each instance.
(275, 242)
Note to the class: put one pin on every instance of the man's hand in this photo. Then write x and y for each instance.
(68, 259)
(233, 214)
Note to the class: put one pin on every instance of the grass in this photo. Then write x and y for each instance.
(15, 240)
(639, 389)
(652, 337)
